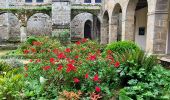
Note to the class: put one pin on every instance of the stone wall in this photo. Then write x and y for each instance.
(39, 24)
(9, 26)
(77, 24)
(157, 25)
(61, 16)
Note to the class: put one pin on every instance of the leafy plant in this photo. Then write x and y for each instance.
(122, 47)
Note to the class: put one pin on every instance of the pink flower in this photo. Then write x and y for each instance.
(97, 89)
(76, 80)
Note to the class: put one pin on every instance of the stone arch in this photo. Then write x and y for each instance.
(39, 24)
(135, 28)
(9, 27)
(88, 29)
(105, 28)
(116, 24)
(77, 25)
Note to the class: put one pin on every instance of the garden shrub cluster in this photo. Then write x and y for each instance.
(84, 70)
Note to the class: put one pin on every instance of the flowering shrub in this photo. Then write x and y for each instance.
(80, 71)
(76, 67)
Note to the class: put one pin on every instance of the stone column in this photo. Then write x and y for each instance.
(104, 33)
(113, 26)
(23, 34)
(157, 29)
(128, 28)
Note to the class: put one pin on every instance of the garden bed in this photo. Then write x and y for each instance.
(83, 70)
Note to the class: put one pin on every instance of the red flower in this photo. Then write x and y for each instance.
(33, 50)
(52, 60)
(76, 80)
(70, 67)
(97, 89)
(61, 56)
(84, 40)
(55, 51)
(109, 52)
(36, 43)
(117, 64)
(78, 43)
(96, 78)
(60, 67)
(38, 60)
(31, 60)
(68, 50)
(92, 57)
(110, 58)
(26, 51)
(76, 57)
(45, 68)
(87, 75)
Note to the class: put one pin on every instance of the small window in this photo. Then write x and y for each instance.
(40, 0)
(87, 1)
(141, 30)
(97, 1)
(29, 1)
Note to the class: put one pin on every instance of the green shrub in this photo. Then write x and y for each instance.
(156, 86)
(10, 86)
(4, 66)
(31, 39)
(122, 47)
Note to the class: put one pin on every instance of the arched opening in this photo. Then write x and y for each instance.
(88, 29)
(9, 27)
(78, 25)
(98, 31)
(105, 29)
(136, 22)
(140, 23)
(116, 24)
(39, 24)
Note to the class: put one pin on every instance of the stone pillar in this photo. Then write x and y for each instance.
(61, 16)
(104, 33)
(128, 29)
(157, 29)
(113, 26)
(23, 33)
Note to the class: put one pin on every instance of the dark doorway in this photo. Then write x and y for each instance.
(87, 29)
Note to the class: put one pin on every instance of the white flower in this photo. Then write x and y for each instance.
(42, 80)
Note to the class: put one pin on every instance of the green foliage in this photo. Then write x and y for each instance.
(10, 86)
(156, 86)
(4, 66)
(63, 37)
(122, 47)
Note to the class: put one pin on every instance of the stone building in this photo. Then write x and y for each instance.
(145, 22)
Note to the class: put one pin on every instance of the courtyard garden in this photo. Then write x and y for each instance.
(44, 68)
